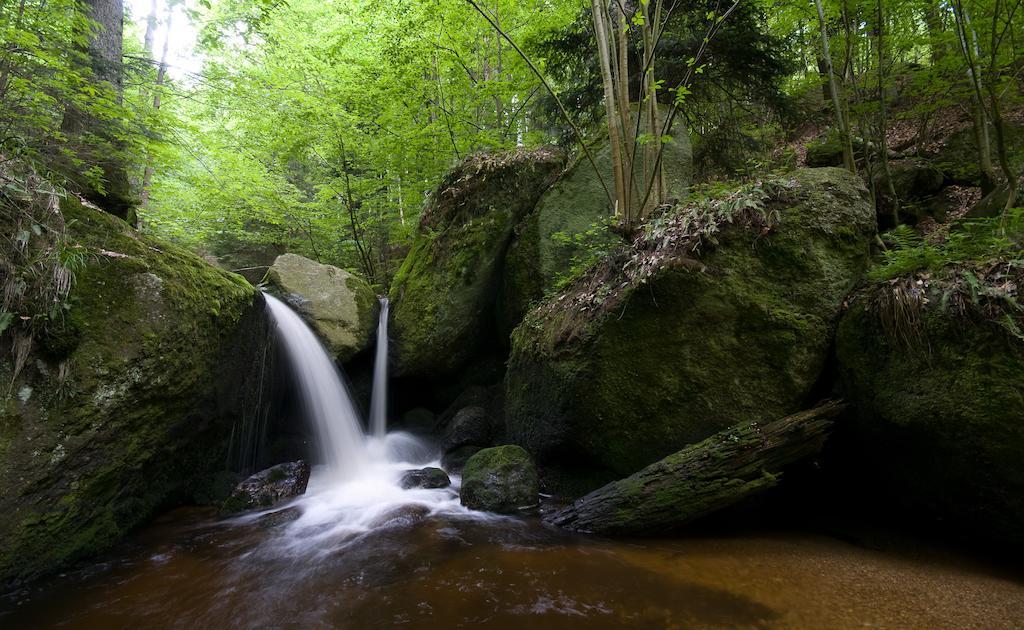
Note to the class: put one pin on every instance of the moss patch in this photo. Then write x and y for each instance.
(740, 333)
(131, 418)
(444, 293)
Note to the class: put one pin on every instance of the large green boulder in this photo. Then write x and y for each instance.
(127, 402)
(938, 400)
(502, 479)
(340, 306)
(622, 369)
(445, 292)
(571, 216)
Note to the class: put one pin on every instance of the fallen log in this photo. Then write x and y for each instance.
(702, 478)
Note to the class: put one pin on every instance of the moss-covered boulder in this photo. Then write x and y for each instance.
(957, 155)
(570, 219)
(938, 408)
(502, 479)
(444, 294)
(133, 409)
(340, 306)
(661, 348)
(915, 182)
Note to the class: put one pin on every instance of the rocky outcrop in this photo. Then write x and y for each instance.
(268, 487)
(660, 349)
(500, 479)
(914, 181)
(938, 401)
(470, 426)
(128, 404)
(427, 478)
(443, 296)
(338, 305)
(570, 219)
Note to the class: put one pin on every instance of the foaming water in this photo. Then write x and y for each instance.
(334, 515)
(357, 489)
(379, 399)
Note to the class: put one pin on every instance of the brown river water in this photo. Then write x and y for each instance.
(417, 570)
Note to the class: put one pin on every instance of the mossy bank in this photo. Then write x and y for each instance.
(129, 404)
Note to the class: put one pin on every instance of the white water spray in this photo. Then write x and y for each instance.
(324, 395)
(379, 400)
(357, 492)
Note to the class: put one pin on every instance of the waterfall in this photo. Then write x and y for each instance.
(379, 400)
(323, 393)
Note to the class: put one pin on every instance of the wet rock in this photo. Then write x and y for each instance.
(403, 516)
(427, 478)
(338, 305)
(470, 426)
(455, 461)
(502, 479)
(279, 518)
(268, 488)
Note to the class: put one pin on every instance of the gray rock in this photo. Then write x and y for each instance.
(340, 306)
(470, 426)
(268, 487)
(427, 478)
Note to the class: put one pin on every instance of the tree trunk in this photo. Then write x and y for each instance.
(844, 128)
(702, 478)
(104, 50)
(614, 130)
(161, 74)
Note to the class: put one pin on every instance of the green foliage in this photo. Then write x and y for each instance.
(971, 243)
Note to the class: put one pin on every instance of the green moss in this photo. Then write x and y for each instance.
(500, 479)
(445, 292)
(690, 352)
(130, 419)
(943, 417)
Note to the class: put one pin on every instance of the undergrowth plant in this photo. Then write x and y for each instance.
(38, 263)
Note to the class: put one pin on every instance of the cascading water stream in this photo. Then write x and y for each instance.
(357, 491)
(379, 399)
(324, 395)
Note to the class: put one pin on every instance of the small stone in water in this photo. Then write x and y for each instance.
(268, 487)
(429, 478)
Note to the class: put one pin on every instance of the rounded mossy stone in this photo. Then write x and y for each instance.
(135, 412)
(577, 204)
(502, 479)
(942, 416)
(445, 292)
(340, 306)
(691, 352)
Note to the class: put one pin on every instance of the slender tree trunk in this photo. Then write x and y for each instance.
(883, 116)
(104, 49)
(161, 74)
(844, 128)
(614, 130)
(969, 48)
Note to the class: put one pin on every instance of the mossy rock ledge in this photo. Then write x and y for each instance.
(132, 408)
(340, 306)
(941, 414)
(741, 336)
(445, 292)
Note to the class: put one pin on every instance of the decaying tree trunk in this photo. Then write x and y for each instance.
(702, 478)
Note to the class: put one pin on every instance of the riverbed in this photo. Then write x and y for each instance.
(421, 567)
